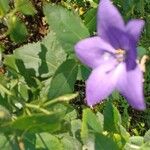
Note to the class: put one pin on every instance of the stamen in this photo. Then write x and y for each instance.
(120, 55)
(120, 51)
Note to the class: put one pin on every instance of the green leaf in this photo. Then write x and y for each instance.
(46, 85)
(55, 53)
(5, 143)
(2, 49)
(104, 143)
(134, 143)
(3, 89)
(90, 20)
(9, 61)
(17, 35)
(35, 123)
(90, 123)
(37, 59)
(96, 1)
(70, 143)
(4, 85)
(89, 143)
(145, 146)
(147, 136)
(29, 140)
(4, 7)
(75, 128)
(124, 134)
(141, 51)
(67, 25)
(70, 115)
(64, 79)
(48, 141)
(25, 6)
(112, 118)
(4, 114)
(97, 141)
(115, 95)
(147, 26)
(83, 72)
(140, 7)
(23, 91)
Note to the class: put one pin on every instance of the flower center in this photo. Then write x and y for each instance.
(120, 55)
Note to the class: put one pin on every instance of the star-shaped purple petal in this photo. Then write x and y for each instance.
(112, 55)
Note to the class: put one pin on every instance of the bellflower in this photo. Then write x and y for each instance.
(112, 56)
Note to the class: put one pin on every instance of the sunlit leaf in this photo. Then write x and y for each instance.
(4, 7)
(134, 143)
(35, 123)
(7, 143)
(37, 59)
(48, 141)
(4, 114)
(3, 89)
(25, 6)
(67, 25)
(76, 128)
(64, 79)
(147, 136)
(145, 146)
(70, 143)
(90, 123)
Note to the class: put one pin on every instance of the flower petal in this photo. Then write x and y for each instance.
(130, 86)
(101, 82)
(109, 22)
(91, 50)
(134, 27)
(128, 44)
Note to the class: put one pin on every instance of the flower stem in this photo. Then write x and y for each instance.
(37, 107)
(63, 98)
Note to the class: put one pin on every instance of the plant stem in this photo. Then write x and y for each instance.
(63, 98)
(37, 107)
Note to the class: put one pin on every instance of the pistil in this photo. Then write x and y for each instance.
(120, 55)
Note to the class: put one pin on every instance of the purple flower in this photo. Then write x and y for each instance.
(112, 56)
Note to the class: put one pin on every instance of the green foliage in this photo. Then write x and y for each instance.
(112, 118)
(90, 122)
(67, 25)
(90, 19)
(25, 6)
(4, 7)
(7, 144)
(64, 79)
(141, 51)
(50, 142)
(9, 17)
(39, 105)
(41, 58)
(138, 142)
(33, 124)
(17, 35)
